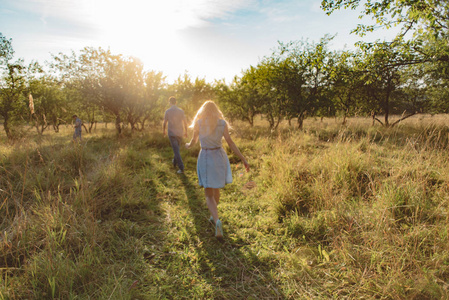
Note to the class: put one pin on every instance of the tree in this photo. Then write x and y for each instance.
(428, 17)
(80, 74)
(269, 84)
(191, 95)
(307, 70)
(238, 100)
(384, 65)
(426, 21)
(132, 79)
(291, 83)
(260, 83)
(414, 91)
(114, 86)
(12, 85)
(50, 103)
(111, 82)
(202, 91)
(154, 98)
(346, 84)
(6, 50)
(12, 94)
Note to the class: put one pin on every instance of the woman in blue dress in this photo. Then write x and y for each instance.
(213, 168)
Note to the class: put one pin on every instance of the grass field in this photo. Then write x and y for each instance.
(331, 212)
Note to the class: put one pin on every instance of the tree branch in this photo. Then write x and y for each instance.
(403, 118)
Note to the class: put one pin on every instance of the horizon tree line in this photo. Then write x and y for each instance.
(298, 80)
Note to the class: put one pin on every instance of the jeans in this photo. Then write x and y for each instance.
(77, 133)
(176, 142)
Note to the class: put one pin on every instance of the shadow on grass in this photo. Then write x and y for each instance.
(234, 273)
(101, 194)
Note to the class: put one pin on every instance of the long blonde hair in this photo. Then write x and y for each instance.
(210, 113)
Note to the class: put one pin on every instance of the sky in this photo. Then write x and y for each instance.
(210, 39)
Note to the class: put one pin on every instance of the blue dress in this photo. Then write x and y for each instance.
(213, 168)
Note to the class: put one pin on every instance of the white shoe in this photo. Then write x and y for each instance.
(219, 230)
(179, 172)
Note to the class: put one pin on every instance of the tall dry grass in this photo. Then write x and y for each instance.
(366, 205)
(344, 212)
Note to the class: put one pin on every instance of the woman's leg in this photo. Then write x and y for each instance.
(212, 202)
(217, 196)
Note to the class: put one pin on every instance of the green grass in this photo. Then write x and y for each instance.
(354, 212)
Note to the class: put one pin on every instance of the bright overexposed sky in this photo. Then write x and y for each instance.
(211, 39)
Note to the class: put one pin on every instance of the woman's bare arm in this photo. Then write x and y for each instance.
(196, 132)
(234, 147)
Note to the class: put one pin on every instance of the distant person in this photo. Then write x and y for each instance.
(177, 128)
(78, 124)
(213, 168)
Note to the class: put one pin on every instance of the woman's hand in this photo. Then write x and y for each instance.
(194, 138)
(246, 165)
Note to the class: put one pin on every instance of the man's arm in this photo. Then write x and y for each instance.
(163, 127)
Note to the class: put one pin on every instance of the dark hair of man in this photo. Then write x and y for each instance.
(172, 100)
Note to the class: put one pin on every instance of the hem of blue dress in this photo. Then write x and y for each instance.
(213, 187)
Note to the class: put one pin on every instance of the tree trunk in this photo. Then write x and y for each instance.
(390, 88)
(301, 117)
(6, 127)
(142, 124)
(277, 123)
(117, 124)
(270, 119)
(387, 113)
(249, 117)
(345, 116)
(36, 124)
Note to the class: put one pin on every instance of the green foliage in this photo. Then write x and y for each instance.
(291, 83)
(239, 100)
(154, 99)
(112, 82)
(49, 104)
(418, 16)
(299, 80)
(6, 50)
(427, 48)
(12, 88)
(190, 95)
(308, 81)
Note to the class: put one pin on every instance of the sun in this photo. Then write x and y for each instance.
(133, 19)
(145, 29)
